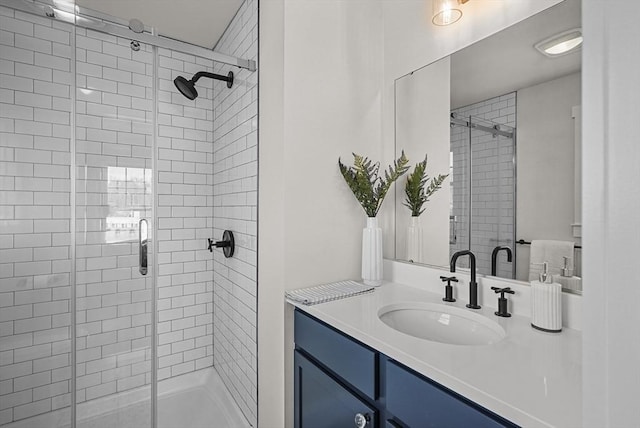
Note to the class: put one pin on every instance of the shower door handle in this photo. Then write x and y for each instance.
(453, 233)
(143, 239)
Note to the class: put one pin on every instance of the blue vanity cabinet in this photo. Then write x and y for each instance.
(337, 377)
(322, 402)
(346, 358)
(420, 402)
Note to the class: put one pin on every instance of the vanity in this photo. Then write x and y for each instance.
(339, 380)
(353, 369)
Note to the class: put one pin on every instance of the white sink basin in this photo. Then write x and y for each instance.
(441, 323)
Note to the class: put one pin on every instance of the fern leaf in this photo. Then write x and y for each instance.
(415, 192)
(364, 181)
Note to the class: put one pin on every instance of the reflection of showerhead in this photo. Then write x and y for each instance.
(136, 26)
(188, 87)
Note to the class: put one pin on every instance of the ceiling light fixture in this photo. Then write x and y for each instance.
(446, 12)
(561, 44)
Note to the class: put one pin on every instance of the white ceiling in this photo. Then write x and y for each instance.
(508, 61)
(200, 22)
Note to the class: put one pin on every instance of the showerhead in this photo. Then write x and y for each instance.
(188, 87)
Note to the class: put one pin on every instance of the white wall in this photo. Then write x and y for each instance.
(309, 222)
(545, 200)
(271, 349)
(611, 202)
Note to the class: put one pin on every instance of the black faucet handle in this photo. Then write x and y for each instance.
(448, 289)
(502, 301)
(507, 290)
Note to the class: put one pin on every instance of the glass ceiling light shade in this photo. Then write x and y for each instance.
(446, 12)
(561, 44)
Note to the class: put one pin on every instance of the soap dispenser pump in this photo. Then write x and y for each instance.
(566, 271)
(546, 302)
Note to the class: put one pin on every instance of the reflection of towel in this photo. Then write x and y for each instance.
(551, 252)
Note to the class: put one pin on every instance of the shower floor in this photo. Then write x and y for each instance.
(193, 400)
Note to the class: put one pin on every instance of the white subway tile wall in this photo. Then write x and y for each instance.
(114, 143)
(493, 193)
(185, 210)
(35, 265)
(235, 186)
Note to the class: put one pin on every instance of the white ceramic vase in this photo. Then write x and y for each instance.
(372, 253)
(414, 241)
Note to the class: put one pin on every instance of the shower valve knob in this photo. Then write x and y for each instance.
(228, 244)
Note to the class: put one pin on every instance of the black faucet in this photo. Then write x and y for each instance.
(473, 285)
(494, 257)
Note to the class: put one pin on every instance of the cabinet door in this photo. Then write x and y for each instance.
(421, 403)
(321, 402)
(342, 355)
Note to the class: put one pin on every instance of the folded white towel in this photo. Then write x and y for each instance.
(327, 292)
(551, 252)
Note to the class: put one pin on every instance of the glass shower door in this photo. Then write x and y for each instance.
(459, 219)
(114, 200)
(492, 194)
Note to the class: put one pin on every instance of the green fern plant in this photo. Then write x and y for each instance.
(363, 180)
(416, 194)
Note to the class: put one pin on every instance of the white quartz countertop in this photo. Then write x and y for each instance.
(531, 378)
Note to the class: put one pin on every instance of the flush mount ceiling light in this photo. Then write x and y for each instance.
(561, 44)
(446, 12)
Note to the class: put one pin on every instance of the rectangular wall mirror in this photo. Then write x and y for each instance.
(502, 117)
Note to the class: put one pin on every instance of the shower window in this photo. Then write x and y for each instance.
(128, 190)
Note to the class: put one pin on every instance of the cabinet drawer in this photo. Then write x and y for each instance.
(321, 402)
(418, 402)
(352, 361)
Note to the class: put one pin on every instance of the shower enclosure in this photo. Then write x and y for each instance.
(483, 186)
(112, 310)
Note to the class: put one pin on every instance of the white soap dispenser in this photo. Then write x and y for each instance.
(546, 303)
